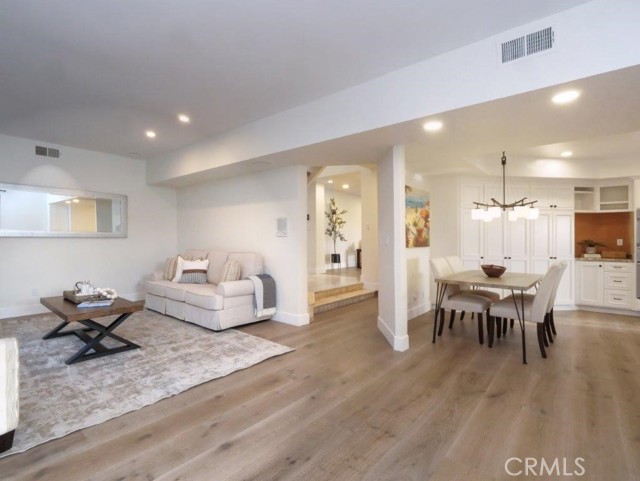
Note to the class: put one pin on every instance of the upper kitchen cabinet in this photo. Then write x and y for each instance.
(604, 197)
(553, 196)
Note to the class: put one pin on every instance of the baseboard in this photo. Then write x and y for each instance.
(18, 311)
(418, 310)
(398, 343)
(291, 319)
(604, 310)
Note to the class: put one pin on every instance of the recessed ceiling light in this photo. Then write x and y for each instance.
(566, 153)
(67, 202)
(75, 201)
(565, 97)
(151, 134)
(432, 126)
(345, 186)
(184, 118)
(329, 181)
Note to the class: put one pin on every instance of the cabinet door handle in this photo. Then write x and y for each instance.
(617, 281)
(616, 299)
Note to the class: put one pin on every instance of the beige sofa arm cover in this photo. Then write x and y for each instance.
(8, 385)
(242, 287)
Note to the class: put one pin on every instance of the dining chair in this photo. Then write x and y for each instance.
(535, 306)
(549, 322)
(456, 299)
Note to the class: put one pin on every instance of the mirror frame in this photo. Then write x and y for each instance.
(73, 193)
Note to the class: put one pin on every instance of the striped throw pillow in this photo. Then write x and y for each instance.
(193, 272)
(232, 271)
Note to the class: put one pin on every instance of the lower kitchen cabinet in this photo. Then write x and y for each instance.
(604, 284)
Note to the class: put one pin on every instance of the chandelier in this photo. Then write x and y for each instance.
(520, 209)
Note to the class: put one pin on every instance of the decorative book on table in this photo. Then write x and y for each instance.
(96, 303)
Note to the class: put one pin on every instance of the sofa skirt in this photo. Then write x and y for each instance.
(219, 320)
(155, 303)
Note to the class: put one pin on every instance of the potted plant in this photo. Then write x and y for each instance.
(335, 223)
(590, 245)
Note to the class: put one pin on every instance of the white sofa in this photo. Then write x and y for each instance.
(9, 406)
(216, 305)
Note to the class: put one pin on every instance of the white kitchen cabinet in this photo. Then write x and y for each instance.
(553, 196)
(552, 241)
(590, 285)
(605, 284)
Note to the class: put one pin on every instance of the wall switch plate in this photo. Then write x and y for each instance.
(619, 242)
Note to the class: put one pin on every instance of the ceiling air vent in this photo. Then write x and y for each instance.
(526, 45)
(47, 152)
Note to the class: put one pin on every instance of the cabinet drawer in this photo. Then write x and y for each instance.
(619, 299)
(615, 280)
(618, 267)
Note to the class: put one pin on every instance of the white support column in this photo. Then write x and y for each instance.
(392, 259)
(369, 196)
(321, 251)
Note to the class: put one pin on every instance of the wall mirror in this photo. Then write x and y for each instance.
(30, 211)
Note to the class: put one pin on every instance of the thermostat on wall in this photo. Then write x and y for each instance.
(281, 227)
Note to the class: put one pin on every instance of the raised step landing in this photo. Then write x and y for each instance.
(336, 297)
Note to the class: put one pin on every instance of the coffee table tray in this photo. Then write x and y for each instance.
(78, 298)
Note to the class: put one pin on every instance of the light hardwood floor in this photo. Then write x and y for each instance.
(344, 406)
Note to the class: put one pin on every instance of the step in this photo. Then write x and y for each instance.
(335, 291)
(341, 299)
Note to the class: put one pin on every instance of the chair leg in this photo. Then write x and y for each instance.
(452, 318)
(544, 336)
(552, 323)
(504, 326)
(480, 331)
(547, 327)
(491, 321)
(462, 315)
(441, 326)
(541, 340)
(511, 324)
(499, 326)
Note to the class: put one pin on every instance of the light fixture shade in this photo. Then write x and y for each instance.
(533, 213)
(477, 214)
(495, 212)
(521, 211)
(513, 216)
(486, 216)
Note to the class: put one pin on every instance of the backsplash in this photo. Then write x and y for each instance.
(605, 228)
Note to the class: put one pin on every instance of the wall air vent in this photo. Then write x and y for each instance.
(526, 45)
(47, 152)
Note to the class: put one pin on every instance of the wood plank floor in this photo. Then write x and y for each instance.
(344, 406)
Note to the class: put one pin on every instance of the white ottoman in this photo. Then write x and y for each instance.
(9, 409)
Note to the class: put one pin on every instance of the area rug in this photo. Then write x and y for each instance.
(56, 399)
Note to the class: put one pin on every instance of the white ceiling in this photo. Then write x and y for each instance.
(97, 74)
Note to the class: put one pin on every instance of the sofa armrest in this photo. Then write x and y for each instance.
(243, 287)
(157, 276)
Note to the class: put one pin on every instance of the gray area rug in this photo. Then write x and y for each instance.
(56, 399)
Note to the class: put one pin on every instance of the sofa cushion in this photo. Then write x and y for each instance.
(176, 291)
(156, 287)
(232, 271)
(217, 259)
(204, 296)
(250, 261)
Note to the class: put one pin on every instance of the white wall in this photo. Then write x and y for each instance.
(352, 230)
(37, 267)
(418, 271)
(239, 214)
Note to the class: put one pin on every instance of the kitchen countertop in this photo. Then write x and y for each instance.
(582, 259)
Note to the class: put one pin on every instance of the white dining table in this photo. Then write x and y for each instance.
(510, 281)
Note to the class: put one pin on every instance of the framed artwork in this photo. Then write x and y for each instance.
(417, 213)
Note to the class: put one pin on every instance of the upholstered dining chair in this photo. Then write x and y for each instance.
(535, 306)
(8, 392)
(549, 323)
(455, 299)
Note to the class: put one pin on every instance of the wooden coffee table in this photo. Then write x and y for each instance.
(69, 312)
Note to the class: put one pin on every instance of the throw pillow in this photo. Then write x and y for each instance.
(232, 271)
(191, 267)
(170, 268)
